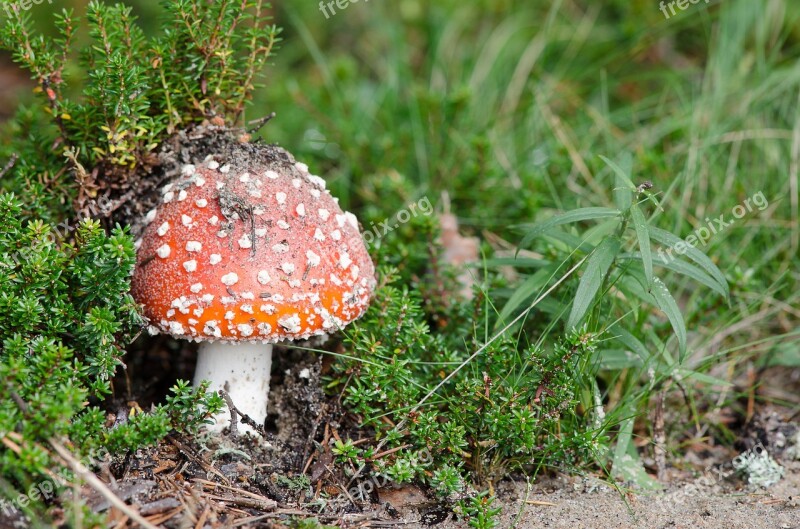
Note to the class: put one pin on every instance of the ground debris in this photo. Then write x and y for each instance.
(126, 491)
(159, 506)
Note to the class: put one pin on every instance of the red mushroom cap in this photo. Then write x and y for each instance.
(257, 252)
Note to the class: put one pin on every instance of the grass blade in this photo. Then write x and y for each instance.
(686, 269)
(592, 280)
(643, 234)
(627, 464)
(668, 306)
(623, 186)
(526, 290)
(702, 260)
(617, 359)
(633, 344)
(576, 215)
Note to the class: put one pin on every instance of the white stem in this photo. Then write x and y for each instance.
(242, 370)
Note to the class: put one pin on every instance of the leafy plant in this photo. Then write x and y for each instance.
(65, 314)
(604, 248)
(345, 451)
(399, 363)
(305, 523)
(617, 282)
(479, 511)
(460, 405)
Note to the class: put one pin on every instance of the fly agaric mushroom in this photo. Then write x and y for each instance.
(245, 252)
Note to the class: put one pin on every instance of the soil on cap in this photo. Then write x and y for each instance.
(139, 193)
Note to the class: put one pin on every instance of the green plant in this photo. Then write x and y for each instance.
(447, 480)
(479, 511)
(296, 483)
(398, 361)
(461, 406)
(611, 302)
(65, 314)
(345, 451)
(305, 523)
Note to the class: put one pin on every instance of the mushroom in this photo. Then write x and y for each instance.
(243, 253)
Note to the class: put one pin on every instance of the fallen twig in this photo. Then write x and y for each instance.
(252, 495)
(234, 413)
(185, 450)
(264, 504)
(246, 419)
(260, 122)
(538, 502)
(388, 452)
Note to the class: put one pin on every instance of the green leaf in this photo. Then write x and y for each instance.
(668, 239)
(683, 268)
(576, 215)
(785, 354)
(643, 235)
(600, 231)
(703, 378)
(623, 186)
(668, 306)
(596, 271)
(568, 242)
(516, 262)
(632, 284)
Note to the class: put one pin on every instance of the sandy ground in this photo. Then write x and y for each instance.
(688, 506)
(575, 503)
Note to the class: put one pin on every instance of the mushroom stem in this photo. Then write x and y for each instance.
(242, 370)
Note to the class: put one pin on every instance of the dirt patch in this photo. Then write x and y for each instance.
(574, 503)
